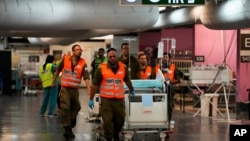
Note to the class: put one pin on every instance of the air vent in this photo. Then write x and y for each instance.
(16, 41)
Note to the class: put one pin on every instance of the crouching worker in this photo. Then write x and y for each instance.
(110, 77)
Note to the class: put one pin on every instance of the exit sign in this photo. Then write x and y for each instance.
(162, 2)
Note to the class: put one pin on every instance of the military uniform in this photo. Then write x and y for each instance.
(112, 107)
(70, 82)
(134, 65)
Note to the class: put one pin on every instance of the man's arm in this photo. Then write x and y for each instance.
(130, 86)
(93, 67)
(86, 78)
(128, 81)
(177, 76)
(96, 83)
(93, 90)
(56, 74)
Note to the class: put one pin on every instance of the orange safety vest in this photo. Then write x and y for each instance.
(146, 74)
(112, 85)
(69, 78)
(170, 73)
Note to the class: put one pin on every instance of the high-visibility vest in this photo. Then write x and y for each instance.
(112, 85)
(71, 78)
(170, 73)
(98, 61)
(146, 74)
(46, 75)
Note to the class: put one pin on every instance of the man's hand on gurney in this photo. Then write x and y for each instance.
(132, 93)
(91, 104)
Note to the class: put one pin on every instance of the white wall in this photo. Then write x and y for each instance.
(118, 40)
(20, 59)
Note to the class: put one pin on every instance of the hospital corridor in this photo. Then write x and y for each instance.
(20, 121)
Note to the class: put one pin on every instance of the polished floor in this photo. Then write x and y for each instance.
(20, 121)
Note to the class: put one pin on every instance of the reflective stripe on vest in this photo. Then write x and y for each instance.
(112, 85)
(69, 78)
(46, 75)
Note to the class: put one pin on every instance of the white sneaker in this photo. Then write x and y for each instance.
(53, 116)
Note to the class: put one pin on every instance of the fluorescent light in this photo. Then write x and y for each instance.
(161, 8)
(104, 37)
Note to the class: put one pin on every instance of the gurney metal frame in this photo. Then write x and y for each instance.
(144, 120)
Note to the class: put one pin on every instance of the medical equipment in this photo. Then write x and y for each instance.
(212, 74)
(31, 79)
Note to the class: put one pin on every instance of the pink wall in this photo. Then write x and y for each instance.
(184, 38)
(243, 85)
(148, 41)
(212, 44)
(215, 44)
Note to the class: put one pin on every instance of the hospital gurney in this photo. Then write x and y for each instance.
(142, 118)
(146, 113)
(140, 86)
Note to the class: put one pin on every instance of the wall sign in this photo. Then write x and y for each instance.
(245, 59)
(199, 59)
(245, 41)
(33, 58)
(162, 2)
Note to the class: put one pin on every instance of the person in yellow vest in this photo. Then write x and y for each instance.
(110, 77)
(46, 73)
(98, 60)
(73, 68)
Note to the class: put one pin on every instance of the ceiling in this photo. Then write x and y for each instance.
(46, 22)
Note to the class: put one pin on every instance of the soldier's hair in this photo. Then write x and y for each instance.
(101, 49)
(73, 47)
(168, 54)
(111, 49)
(123, 44)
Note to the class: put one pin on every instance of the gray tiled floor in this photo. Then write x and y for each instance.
(20, 121)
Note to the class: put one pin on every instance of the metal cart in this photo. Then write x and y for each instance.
(31, 80)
